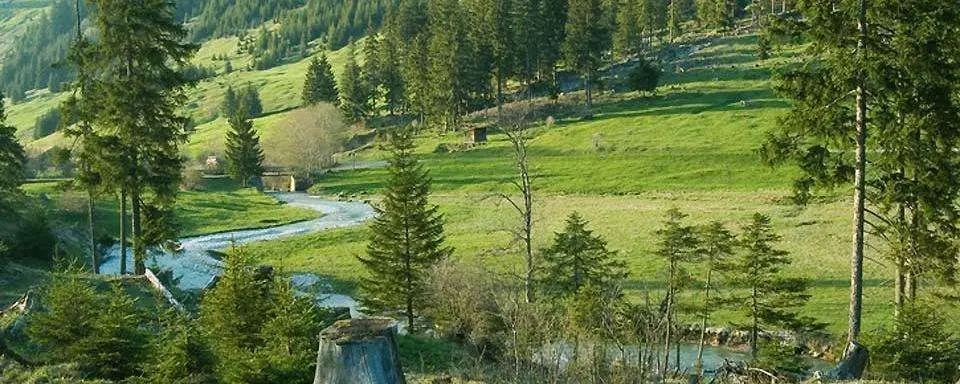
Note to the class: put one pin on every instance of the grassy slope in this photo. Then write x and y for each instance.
(693, 147)
(279, 89)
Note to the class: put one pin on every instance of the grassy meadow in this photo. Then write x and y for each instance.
(693, 146)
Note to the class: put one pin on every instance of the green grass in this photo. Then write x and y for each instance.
(222, 207)
(693, 146)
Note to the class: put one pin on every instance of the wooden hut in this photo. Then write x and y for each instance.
(476, 135)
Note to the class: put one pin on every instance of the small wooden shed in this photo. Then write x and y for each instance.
(476, 135)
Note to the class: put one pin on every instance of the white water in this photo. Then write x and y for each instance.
(194, 268)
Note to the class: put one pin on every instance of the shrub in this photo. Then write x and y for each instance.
(33, 238)
(645, 77)
(917, 347)
(46, 124)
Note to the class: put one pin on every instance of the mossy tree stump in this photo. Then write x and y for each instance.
(361, 351)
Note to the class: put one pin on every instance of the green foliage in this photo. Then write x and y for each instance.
(248, 102)
(46, 124)
(577, 259)
(12, 159)
(406, 236)
(179, 353)
(320, 85)
(32, 238)
(781, 357)
(243, 152)
(231, 103)
(645, 77)
(768, 298)
(257, 329)
(356, 95)
(916, 348)
(35, 60)
(101, 333)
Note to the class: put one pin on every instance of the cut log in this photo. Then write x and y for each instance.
(852, 365)
(360, 351)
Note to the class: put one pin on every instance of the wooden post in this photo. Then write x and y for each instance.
(362, 351)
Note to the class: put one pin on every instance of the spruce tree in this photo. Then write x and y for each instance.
(390, 75)
(588, 36)
(244, 155)
(678, 246)
(578, 258)
(768, 299)
(249, 102)
(12, 159)
(230, 104)
(355, 94)
(320, 85)
(179, 353)
(406, 236)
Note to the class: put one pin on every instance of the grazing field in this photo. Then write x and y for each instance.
(693, 146)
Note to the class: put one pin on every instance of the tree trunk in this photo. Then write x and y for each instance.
(698, 366)
(500, 94)
(755, 329)
(586, 88)
(94, 257)
(359, 351)
(139, 251)
(123, 231)
(669, 330)
(859, 195)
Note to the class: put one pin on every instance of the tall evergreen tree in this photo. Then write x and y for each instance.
(628, 37)
(770, 299)
(320, 84)
(390, 76)
(355, 94)
(249, 103)
(12, 158)
(139, 90)
(678, 246)
(406, 236)
(244, 155)
(588, 36)
(231, 103)
(578, 258)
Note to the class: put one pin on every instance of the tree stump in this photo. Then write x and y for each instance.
(361, 351)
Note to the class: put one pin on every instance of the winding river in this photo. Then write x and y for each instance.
(194, 266)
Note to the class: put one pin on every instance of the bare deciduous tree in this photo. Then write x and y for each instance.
(514, 123)
(308, 139)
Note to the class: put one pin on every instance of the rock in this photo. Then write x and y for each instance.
(362, 351)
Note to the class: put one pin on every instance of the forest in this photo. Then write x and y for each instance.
(492, 191)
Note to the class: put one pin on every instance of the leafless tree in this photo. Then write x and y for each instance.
(514, 123)
(307, 140)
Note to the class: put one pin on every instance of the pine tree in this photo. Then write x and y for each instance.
(674, 18)
(289, 354)
(355, 95)
(578, 258)
(179, 353)
(406, 236)
(588, 37)
(628, 38)
(716, 248)
(390, 75)
(249, 102)
(770, 299)
(230, 104)
(320, 84)
(678, 246)
(138, 98)
(243, 152)
(12, 159)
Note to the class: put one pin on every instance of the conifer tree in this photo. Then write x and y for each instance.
(716, 248)
(406, 236)
(12, 159)
(138, 96)
(355, 95)
(230, 104)
(390, 75)
(243, 152)
(320, 84)
(249, 102)
(678, 246)
(674, 17)
(578, 258)
(179, 353)
(770, 298)
(588, 35)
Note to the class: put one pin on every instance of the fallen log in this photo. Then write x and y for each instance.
(361, 351)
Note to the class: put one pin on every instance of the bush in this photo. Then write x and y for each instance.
(645, 77)
(917, 348)
(33, 238)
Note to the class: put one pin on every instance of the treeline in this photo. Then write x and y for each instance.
(335, 22)
(441, 59)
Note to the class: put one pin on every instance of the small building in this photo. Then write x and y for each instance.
(476, 135)
(278, 182)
